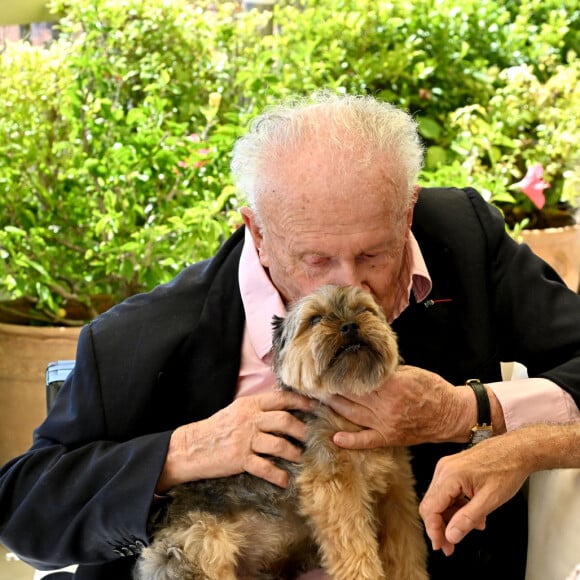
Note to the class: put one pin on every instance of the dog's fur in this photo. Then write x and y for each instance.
(352, 512)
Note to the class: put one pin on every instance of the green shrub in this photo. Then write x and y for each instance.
(109, 179)
(115, 140)
(527, 122)
(430, 57)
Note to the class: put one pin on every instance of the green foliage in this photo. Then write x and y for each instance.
(109, 178)
(115, 140)
(428, 56)
(526, 122)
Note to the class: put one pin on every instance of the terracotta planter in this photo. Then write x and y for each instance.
(25, 352)
(560, 247)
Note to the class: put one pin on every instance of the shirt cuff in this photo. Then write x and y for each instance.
(525, 401)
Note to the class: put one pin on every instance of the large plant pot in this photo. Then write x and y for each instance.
(25, 352)
(560, 247)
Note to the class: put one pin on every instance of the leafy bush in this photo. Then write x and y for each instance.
(525, 124)
(115, 140)
(429, 57)
(106, 165)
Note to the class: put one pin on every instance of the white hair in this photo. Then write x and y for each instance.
(374, 129)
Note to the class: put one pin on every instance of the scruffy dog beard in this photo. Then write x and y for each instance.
(353, 513)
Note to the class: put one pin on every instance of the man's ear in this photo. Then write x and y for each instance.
(249, 218)
(411, 209)
(251, 222)
(416, 190)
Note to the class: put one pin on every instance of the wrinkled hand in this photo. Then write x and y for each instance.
(414, 406)
(230, 441)
(490, 474)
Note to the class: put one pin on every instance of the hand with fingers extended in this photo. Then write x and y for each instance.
(414, 406)
(235, 439)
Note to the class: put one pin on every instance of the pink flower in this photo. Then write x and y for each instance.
(533, 185)
(203, 152)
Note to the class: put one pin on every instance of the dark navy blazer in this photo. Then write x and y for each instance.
(82, 493)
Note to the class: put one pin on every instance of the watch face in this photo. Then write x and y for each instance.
(480, 434)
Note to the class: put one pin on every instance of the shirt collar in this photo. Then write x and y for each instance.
(260, 298)
(414, 278)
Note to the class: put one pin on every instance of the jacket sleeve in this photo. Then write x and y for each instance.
(83, 493)
(76, 496)
(536, 317)
(506, 303)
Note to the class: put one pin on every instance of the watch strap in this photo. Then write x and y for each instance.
(482, 398)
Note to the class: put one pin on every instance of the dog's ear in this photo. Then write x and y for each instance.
(277, 331)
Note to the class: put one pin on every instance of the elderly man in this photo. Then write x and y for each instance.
(175, 385)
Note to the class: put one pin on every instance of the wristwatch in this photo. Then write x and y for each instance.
(483, 429)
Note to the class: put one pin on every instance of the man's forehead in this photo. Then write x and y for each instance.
(334, 241)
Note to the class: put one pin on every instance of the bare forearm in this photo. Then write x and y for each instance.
(490, 474)
(548, 446)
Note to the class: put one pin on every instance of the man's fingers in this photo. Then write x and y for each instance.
(462, 516)
(365, 439)
(348, 408)
(284, 401)
(265, 469)
(439, 507)
(282, 422)
(470, 517)
(267, 444)
(435, 528)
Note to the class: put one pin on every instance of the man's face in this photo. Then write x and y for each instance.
(320, 227)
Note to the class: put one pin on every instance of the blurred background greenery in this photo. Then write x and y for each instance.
(115, 137)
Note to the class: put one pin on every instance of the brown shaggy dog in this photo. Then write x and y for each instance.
(352, 512)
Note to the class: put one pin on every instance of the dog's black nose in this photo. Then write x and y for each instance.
(349, 329)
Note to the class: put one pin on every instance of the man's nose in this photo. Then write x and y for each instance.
(348, 275)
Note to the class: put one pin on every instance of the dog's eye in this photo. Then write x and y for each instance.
(315, 320)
